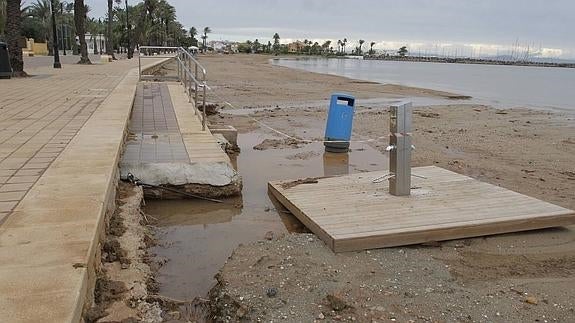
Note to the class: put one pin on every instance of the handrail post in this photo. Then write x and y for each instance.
(179, 68)
(196, 91)
(185, 74)
(139, 67)
(204, 108)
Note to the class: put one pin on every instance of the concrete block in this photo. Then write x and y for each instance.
(229, 132)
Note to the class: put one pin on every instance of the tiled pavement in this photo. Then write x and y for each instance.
(40, 115)
(154, 133)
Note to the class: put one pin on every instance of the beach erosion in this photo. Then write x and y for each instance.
(510, 277)
(525, 150)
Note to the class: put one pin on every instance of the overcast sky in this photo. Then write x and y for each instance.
(481, 26)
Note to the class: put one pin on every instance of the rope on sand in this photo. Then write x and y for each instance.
(307, 141)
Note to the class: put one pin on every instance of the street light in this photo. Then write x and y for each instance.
(55, 37)
(100, 34)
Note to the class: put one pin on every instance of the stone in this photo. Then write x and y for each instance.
(269, 235)
(336, 302)
(531, 300)
(271, 292)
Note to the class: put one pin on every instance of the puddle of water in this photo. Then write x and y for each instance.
(197, 237)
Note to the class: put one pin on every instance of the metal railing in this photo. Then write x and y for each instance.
(191, 73)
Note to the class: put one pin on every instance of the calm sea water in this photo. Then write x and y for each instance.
(501, 86)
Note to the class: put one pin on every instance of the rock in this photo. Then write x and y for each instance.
(336, 302)
(271, 292)
(321, 316)
(241, 312)
(269, 235)
(531, 300)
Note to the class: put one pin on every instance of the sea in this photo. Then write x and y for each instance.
(501, 86)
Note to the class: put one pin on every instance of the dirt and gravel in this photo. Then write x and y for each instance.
(125, 283)
(505, 278)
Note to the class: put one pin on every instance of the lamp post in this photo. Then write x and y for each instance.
(100, 35)
(55, 37)
(63, 29)
(128, 30)
(65, 40)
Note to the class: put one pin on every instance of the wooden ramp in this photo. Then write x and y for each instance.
(353, 213)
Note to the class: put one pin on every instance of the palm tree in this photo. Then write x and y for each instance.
(42, 12)
(344, 43)
(109, 41)
(80, 21)
(207, 30)
(166, 15)
(325, 45)
(361, 42)
(13, 30)
(339, 45)
(193, 34)
(2, 16)
(371, 47)
(402, 51)
(276, 43)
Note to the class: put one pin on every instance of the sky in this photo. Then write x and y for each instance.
(453, 27)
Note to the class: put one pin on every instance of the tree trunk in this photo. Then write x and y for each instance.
(109, 41)
(79, 21)
(13, 36)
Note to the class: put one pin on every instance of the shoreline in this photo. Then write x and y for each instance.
(475, 61)
(409, 87)
(441, 60)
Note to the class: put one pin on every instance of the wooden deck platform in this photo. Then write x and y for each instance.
(353, 213)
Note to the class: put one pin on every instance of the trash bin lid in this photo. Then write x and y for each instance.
(350, 99)
(343, 95)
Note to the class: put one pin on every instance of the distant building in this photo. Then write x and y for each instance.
(295, 47)
(218, 46)
(95, 40)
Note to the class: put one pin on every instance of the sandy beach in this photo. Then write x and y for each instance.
(512, 277)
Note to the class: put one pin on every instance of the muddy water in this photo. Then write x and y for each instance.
(197, 237)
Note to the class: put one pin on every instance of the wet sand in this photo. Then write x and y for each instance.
(513, 277)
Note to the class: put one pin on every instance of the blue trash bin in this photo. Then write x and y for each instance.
(339, 122)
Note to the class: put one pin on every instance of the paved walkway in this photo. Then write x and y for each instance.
(154, 133)
(40, 115)
(60, 140)
(167, 145)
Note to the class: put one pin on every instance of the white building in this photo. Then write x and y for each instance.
(99, 40)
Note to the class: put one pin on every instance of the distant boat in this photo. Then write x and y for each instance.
(353, 56)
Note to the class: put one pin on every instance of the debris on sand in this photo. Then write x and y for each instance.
(211, 108)
(279, 144)
(309, 180)
(303, 155)
(336, 302)
(531, 300)
(427, 114)
(123, 273)
(569, 174)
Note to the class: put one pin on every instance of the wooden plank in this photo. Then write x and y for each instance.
(309, 223)
(351, 212)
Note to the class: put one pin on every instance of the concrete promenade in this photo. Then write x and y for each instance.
(61, 135)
